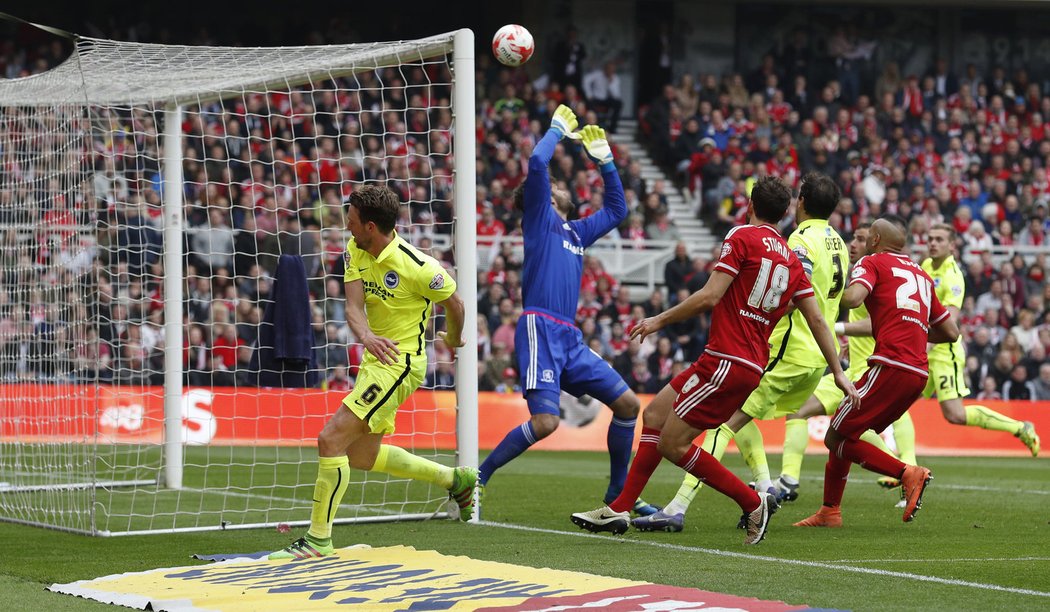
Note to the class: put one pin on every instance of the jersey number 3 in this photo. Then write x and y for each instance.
(913, 285)
(769, 288)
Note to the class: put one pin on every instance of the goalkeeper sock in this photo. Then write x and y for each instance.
(715, 442)
(749, 441)
(796, 439)
(333, 476)
(904, 436)
(516, 442)
(619, 440)
(645, 462)
(398, 462)
(986, 418)
(876, 440)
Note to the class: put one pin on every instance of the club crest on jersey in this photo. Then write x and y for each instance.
(391, 279)
(437, 282)
(858, 272)
(726, 250)
(936, 282)
(547, 376)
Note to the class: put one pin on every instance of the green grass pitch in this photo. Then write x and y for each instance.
(984, 528)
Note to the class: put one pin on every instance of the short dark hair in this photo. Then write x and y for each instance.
(378, 204)
(863, 225)
(822, 195)
(770, 198)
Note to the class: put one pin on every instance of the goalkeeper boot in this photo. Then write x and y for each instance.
(1029, 437)
(827, 516)
(602, 519)
(660, 521)
(888, 482)
(304, 548)
(913, 483)
(464, 481)
(787, 488)
(757, 521)
(644, 508)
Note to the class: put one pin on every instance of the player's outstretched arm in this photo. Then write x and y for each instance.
(699, 302)
(854, 328)
(855, 295)
(453, 334)
(384, 349)
(614, 203)
(828, 347)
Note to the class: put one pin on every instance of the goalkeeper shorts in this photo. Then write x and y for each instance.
(381, 389)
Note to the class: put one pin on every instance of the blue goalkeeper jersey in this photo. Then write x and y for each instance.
(553, 263)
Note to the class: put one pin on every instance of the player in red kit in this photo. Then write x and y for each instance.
(756, 279)
(905, 315)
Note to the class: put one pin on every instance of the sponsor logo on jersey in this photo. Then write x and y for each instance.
(572, 248)
(547, 376)
(438, 281)
(858, 272)
(391, 279)
(957, 290)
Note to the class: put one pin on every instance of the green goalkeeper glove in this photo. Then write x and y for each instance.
(597, 146)
(564, 121)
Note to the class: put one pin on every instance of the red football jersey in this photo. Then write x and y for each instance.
(767, 277)
(902, 306)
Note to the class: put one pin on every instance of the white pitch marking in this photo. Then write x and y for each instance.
(738, 555)
(961, 560)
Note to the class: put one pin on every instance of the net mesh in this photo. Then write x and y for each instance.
(273, 141)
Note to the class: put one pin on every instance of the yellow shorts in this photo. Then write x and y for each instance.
(947, 380)
(782, 390)
(828, 393)
(381, 389)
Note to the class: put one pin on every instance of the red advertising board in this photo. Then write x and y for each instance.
(248, 416)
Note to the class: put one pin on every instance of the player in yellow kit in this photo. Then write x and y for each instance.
(796, 363)
(398, 285)
(948, 360)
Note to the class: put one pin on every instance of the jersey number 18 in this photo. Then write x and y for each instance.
(768, 288)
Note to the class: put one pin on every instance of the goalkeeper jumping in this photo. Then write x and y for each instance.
(551, 353)
(398, 284)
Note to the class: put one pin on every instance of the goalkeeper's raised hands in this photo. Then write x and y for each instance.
(597, 146)
(564, 121)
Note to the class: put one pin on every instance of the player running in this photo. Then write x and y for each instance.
(398, 285)
(750, 289)
(905, 314)
(797, 363)
(551, 353)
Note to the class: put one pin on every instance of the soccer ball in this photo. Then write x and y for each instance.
(512, 45)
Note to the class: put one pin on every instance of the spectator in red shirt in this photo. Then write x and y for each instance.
(226, 345)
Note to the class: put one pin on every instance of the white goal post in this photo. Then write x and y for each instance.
(138, 385)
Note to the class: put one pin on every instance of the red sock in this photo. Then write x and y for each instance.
(836, 471)
(704, 466)
(871, 458)
(642, 468)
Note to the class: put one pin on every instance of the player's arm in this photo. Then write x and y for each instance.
(454, 313)
(855, 295)
(854, 328)
(537, 190)
(701, 301)
(828, 347)
(614, 203)
(384, 349)
(943, 327)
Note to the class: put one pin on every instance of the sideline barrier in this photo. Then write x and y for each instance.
(293, 417)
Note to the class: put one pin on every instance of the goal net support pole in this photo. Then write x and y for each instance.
(173, 283)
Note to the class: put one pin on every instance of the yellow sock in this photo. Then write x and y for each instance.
(715, 442)
(398, 462)
(796, 439)
(749, 441)
(876, 440)
(904, 436)
(333, 475)
(986, 418)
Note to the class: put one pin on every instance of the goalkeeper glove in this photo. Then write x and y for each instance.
(597, 146)
(564, 121)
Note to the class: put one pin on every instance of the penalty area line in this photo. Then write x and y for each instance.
(799, 562)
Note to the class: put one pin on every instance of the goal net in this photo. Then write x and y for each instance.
(172, 326)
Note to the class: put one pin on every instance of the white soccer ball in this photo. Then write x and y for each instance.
(512, 45)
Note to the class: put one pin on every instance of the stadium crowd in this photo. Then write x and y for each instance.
(267, 174)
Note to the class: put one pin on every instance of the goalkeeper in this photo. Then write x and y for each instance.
(551, 353)
(397, 284)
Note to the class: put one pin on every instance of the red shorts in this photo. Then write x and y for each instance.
(886, 393)
(711, 390)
